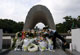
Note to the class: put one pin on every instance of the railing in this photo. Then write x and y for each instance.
(13, 34)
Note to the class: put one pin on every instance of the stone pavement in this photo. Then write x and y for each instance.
(57, 52)
(76, 52)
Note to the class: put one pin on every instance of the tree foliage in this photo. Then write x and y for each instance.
(10, 26)
(70, 23)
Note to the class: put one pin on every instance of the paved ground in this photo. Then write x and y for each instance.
(57, 52)
(76, 52)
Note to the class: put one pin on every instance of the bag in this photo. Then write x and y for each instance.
(42, 45)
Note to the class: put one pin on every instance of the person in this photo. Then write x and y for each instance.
(23, 34)
(30, 34)
(54, 34)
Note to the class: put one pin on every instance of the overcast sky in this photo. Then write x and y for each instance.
(17, 9)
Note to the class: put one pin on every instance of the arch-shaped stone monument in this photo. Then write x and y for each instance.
(38, 13)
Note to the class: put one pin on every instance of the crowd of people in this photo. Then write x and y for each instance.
(35, 40)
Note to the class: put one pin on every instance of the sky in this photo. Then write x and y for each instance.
(17, 9)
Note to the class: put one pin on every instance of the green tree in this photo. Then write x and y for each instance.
(68, 24)
(10, 26)
(78, 21)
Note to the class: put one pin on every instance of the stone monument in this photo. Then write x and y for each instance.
(39, 13)
(76, 39)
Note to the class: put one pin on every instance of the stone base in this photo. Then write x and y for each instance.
(76, 39)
